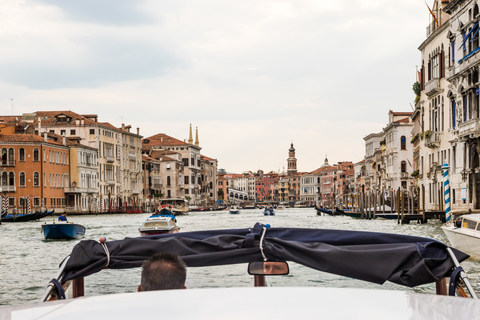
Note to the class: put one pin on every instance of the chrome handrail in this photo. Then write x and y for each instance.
(59, 277)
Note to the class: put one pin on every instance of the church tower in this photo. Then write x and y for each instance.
(292, 161)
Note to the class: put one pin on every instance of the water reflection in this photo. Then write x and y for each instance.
(28, 262)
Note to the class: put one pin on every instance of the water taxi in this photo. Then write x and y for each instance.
(369, 256)
(62, 230)
(464, 234)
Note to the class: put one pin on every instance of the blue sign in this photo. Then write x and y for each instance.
(476, 91)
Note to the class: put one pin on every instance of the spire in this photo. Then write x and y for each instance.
(196, 138)
(190, 139)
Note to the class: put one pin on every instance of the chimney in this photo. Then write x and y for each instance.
(39, 126)
(161, 139)
(123, 126)
(64, 141)
(77, 122)
(138, 131)
(82, 122)
(45, 136)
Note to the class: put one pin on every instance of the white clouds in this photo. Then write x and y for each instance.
(252, 75)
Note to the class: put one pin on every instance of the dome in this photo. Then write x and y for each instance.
(292, 149)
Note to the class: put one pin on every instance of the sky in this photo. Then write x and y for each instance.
(252, 76)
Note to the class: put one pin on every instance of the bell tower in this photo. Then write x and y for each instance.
(291, 161)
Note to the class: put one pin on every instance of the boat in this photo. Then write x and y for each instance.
(159, 223)
(321, 211)
(300, 204)
(353, 214)
(387, 216)
(234, 210)
(27, 217)
(464, 234)
(62, 230)
(269, 211)
(369, 256)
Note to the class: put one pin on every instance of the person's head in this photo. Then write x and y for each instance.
(163, 271)
(64, 214)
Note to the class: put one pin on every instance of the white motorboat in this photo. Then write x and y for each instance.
(464, 234)
(377, 257)
(234, 210)
(159, 224)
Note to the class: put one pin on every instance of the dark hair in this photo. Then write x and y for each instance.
(163, 270)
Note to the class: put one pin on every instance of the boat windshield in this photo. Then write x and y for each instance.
(153, 224)
(469, 224)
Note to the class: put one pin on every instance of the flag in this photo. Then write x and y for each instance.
(435, 18)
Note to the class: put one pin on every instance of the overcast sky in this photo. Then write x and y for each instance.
(253, 76)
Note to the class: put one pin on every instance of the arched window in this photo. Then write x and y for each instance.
(36, 155)
(21, 154)
(4, 156)
(22, 179)
(4, 179)
(11, 156)
(403, 167)
(403, 143)
(36, 179)
(11, 179)
(168, 181)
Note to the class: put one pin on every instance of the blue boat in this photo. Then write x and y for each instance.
(63, 230)
(269, 212)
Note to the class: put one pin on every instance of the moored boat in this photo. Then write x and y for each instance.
(62, 230)
(464, 234)
(352, 214)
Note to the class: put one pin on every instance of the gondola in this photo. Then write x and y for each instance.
(27, 217)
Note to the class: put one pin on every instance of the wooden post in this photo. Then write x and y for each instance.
(397, 205)
(441, 286)
(423, 204)
(78, 288)
(375, 198)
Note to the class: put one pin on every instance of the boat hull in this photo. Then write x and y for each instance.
(63, 230)
(464, 240)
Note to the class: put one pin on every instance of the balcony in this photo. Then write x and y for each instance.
(157, 186)
(469, 128)
(403, 175)
(8, 163)
(74, 190)
(110, 182)
(110, 159)
(433, 141)
(8, 189)
(132, 156)
(136, 191)
(432, 87)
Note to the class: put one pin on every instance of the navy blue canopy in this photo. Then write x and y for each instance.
(370, 256)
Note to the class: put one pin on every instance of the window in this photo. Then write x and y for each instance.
(11, 179)
(168, 181)
(403, 143)
(22, 179)
(72, 132)
(62, 132)
(21, 155)
(36, 179)
(36, 155)
(453, 114)
(92, 131)
(403, 166)
(186, 179)
(36, 202)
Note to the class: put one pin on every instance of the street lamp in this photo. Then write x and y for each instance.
(464, 174)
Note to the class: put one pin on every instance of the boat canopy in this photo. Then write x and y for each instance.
(369, 256)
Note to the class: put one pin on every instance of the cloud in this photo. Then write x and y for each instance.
(116, 12)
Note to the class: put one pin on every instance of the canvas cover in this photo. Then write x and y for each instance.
(370, 256)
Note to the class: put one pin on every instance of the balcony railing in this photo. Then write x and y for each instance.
(8, 163)
(8, 189)
(110, 158)
(433, 141)
(136, 191)
(132, 156)
(403, 175)
(432, 86)
(469, 128)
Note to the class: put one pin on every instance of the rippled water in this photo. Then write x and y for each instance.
(28, 262)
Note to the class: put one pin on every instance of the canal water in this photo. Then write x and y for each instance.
(28, 262)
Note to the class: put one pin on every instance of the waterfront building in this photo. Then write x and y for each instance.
(344, 174)
(34, 172)
(223, 180)
(265, 190)
(246, 182)
(360, 173)
(116, 176)
(310, 185)
(81, 190)
(208, 172)
(397, 153)
(152, 181)
(372, 144)
(459, 116)
(131, 173)
(190, 153)
(283, 189)
(446, 88)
